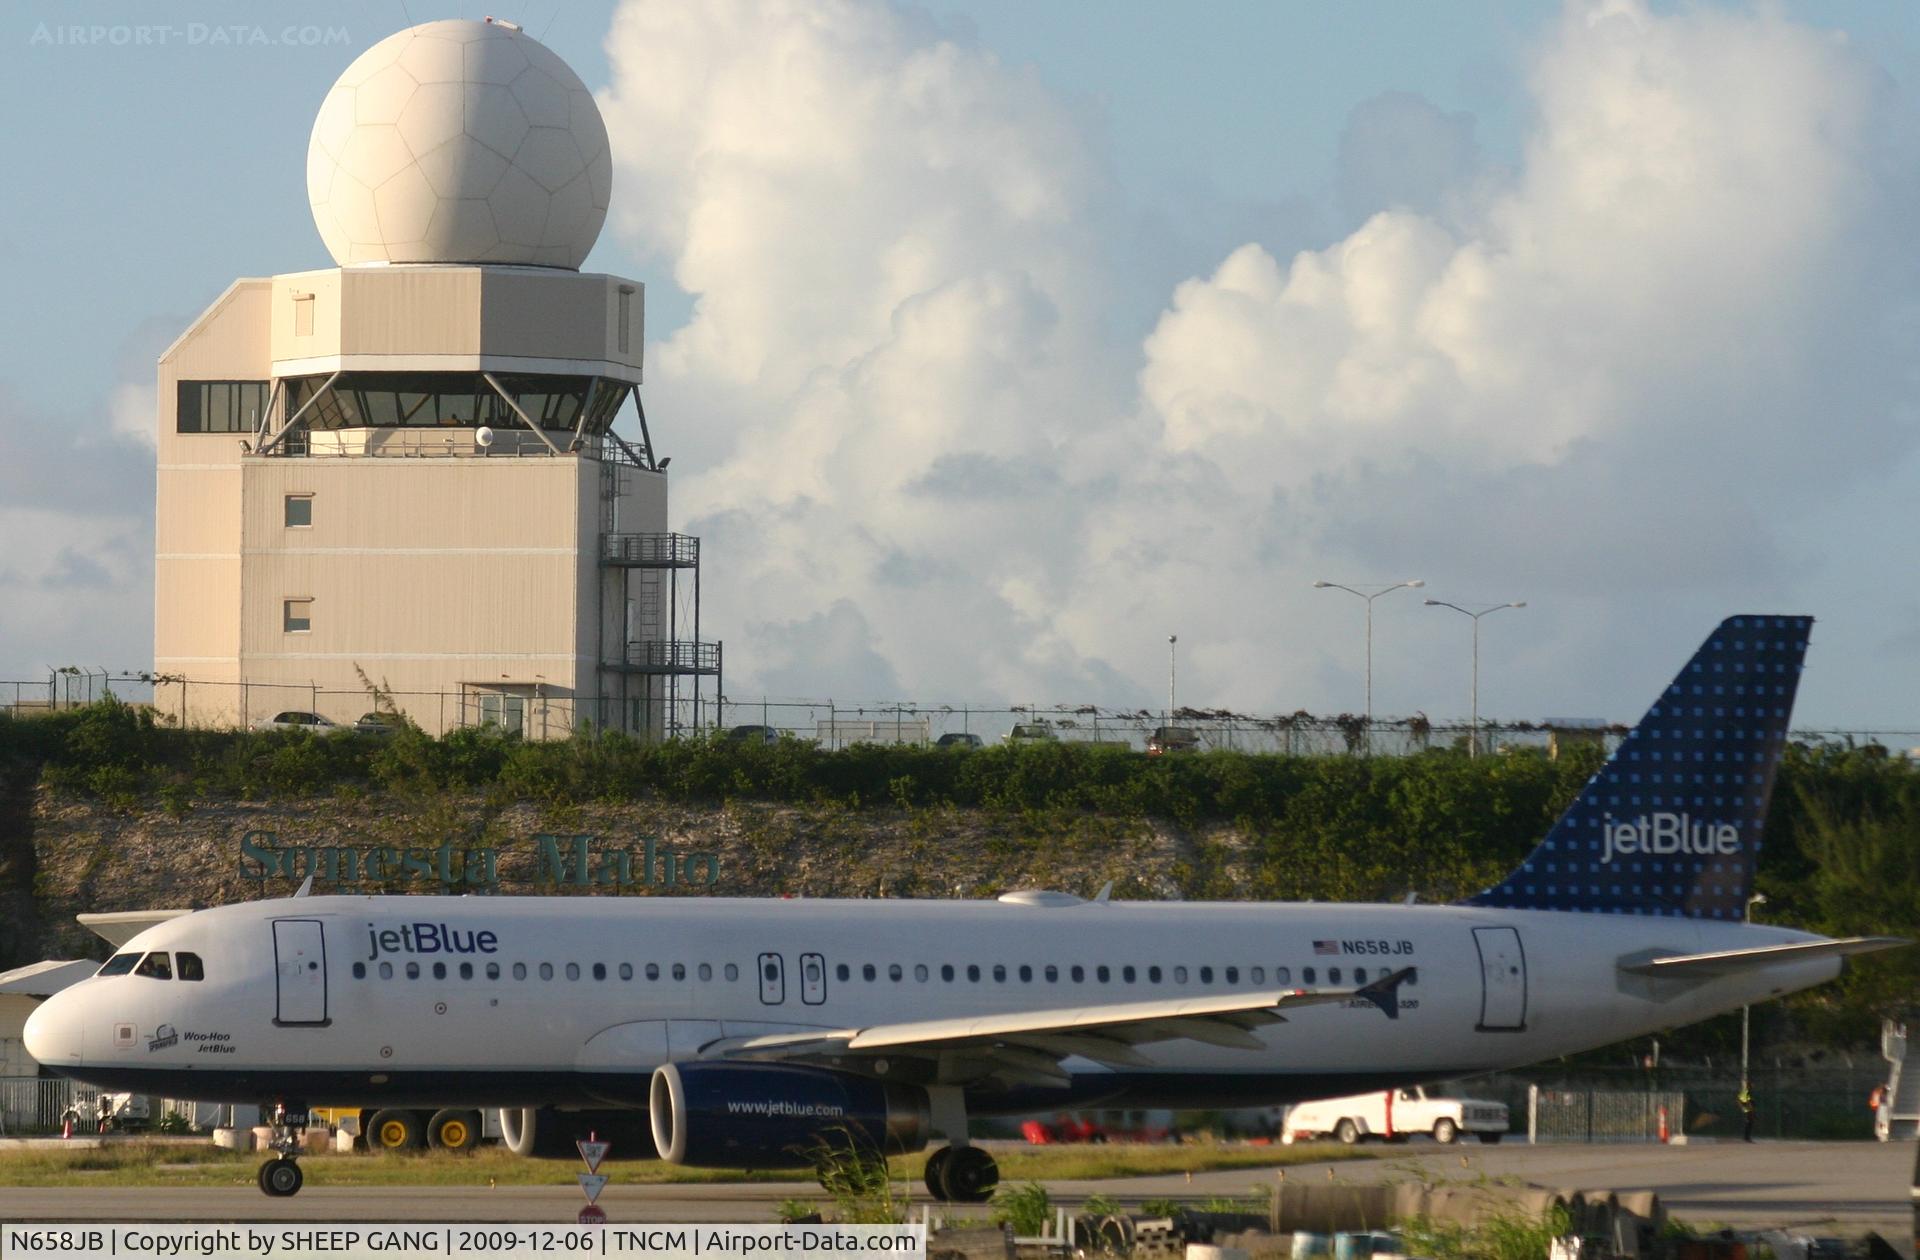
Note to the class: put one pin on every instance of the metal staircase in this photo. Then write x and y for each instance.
(1902, 1107)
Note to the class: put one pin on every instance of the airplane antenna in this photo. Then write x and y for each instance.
(306, 887)
(1106, 891)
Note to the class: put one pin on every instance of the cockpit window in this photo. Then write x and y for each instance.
(189, 965)
(156, 966)
(118, 965)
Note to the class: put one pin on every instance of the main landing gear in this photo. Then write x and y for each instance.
(957, 1172)
(280, 1177)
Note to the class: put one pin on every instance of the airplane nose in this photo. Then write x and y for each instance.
(52, 1034)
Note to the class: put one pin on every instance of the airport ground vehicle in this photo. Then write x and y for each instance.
(1172, 739)
(1031, 733)
(957, 739)
(752, 735)
(379, 725)
(297, 720)
(398, 1129)
(744, 1029)
(1392, 1115)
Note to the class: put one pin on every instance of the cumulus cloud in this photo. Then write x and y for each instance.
(1601, 380)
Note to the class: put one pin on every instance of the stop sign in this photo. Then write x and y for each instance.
(593, 1214)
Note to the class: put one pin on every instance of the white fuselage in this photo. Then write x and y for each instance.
(574, 1001)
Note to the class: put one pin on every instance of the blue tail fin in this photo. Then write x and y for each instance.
(1671, 824)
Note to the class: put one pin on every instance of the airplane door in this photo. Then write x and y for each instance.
(300, 966)
(813, 979)
(1503, 979)
(773, 980)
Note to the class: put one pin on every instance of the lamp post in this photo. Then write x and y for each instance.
(1758, 899)
(1473, 740)
(1171, 640)
(1369, 594)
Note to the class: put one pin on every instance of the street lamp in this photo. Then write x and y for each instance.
(1369, 594)
(1171, 640)
(1758, 899)
(1473, 740)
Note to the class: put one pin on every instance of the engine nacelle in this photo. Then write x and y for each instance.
(751, 1115)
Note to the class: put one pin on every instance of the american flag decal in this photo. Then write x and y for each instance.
(1326, 947)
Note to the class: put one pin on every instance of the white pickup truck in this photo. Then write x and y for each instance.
(1394, 1115)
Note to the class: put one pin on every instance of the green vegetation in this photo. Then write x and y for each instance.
(1027, 1207)
(1507, 1237)
(178, 1162)
(1842, 853)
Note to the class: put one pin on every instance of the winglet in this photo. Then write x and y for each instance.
(1385, 992)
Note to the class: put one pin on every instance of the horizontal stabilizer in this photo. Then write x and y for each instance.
(1728, 962)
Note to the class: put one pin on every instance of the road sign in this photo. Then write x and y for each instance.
(592, 1214)
(591, 1184)
(593, 1152)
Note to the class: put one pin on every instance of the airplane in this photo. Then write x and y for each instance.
(746, 1030)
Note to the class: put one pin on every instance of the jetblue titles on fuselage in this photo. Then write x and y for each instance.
(428, 938)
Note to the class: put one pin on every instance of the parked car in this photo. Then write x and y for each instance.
(753, 735)
(1031, 733)
(379, 725)
(1172, 739)
(1393, 1115)
(957, 739)
(297, 720)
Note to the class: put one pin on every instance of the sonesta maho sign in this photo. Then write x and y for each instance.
(574, 861)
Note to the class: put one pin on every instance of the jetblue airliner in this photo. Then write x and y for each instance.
(745, 1029)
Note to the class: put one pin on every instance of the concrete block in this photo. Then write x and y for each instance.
(233, 1139)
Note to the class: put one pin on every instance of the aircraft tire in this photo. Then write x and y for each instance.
(1445, 1131)
(454, 1129)
(1347, 1132)
(281, 1178)
(394, 1130)
(937, 1173)
(970, 1175)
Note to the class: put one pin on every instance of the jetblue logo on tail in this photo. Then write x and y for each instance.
(1660, 834)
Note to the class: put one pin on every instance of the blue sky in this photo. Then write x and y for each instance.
(1143, 411)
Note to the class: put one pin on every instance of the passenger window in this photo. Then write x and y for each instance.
(466, 971)
(679, 971)
(1359, 975)
(189, 966)
(1333, 975)
(1000, 973)
(155, 966)
(359, 971)
(626, 971)
(706, 971)
(493, 971)
(868, 973)
(732, 972)
(1179, 975)
(973, 972)
(920, 972)
(599, 971)
(843, 971)
(1282, 975)
(386, 971)
(519, 971)
(946, 972)
(1259, 975)
(1102, 972)
(413, 971)
(1078, 973)
(573, 971)
(1413, 978)
(894, 973)
(546, 971)
(1052, 974)
(1233, 975)
(1026, 974)
(1153, 974)
(439, 971)
(118, 965)
(1206, 975)
(653, 971)
(1306, 975)
(1126, 973)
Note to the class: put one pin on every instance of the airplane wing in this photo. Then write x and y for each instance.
(1028, 1045)
(1728, 962)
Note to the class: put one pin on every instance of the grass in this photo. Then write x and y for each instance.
(136, 1162)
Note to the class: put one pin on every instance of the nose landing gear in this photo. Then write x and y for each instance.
(280, 1177)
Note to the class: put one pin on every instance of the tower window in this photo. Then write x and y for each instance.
(296, 615)
(219, 406)
(299, 511)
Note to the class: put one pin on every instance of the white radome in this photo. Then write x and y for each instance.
(459, 142)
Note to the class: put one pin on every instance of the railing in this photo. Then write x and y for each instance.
(446, 442)
(674, 656)
(662, 551)
(36, 1104)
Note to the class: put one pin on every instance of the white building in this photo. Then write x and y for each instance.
(402, 472)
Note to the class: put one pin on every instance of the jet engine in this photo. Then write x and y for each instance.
(752, 1115)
